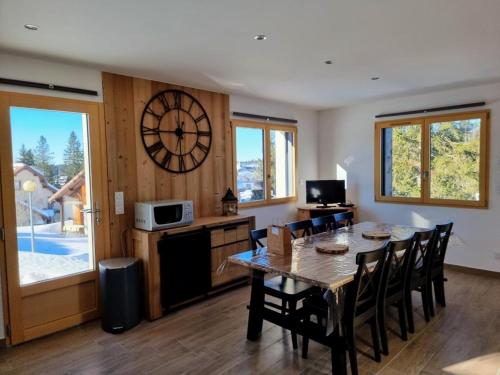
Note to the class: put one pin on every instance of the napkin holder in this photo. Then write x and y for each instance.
(279, 240)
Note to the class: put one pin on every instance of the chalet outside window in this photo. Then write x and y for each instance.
(440, 160)
(265, 163)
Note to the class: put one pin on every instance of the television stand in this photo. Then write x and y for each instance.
(309, 211)
(323, 206)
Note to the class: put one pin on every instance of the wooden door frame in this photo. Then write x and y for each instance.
(13, 293)
(3, 264)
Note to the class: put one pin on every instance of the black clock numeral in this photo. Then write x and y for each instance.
(203, 133)
(182, 165)
(165, 163)
(193, 158)
(150, 131)
(149, 111)
(177, 100)
(164, 102)
(200, 118)
(202, 147)
(190, 106)
(155, 148)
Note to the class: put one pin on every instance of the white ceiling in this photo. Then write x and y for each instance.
(413, 45)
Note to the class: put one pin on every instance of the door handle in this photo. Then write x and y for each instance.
(95, 211)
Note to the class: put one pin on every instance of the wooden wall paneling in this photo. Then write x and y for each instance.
(146, 177)
(220, 155)
(163, 185)
(132, 171)
(122, 171)
(230, 151)
(207, 173)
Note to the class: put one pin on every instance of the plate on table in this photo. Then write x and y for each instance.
(376, 235)
(332, 248)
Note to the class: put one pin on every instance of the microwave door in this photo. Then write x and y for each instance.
(169, 214)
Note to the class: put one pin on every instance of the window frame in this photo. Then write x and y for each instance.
(266, 127)
(425, 174)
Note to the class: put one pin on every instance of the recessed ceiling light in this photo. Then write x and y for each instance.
(31, 27)
(260, 37)
(375, 78)
(328, 62)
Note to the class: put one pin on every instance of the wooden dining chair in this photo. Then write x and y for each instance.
(300, 228)
(420, 262)
(288, 291)
(441, 237)
(395, 277)
(343, 219)
(360, 307)
(323, 223)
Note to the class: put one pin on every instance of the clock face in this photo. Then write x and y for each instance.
(176, 131)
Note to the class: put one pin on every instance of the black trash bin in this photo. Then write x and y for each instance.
(121, 293)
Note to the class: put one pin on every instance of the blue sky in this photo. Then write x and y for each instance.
(248, 143)
(29, 124)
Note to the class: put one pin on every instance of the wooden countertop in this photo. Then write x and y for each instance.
(199, 223)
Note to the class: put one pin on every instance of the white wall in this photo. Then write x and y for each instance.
(43, 71)
(346, 138)
(307, 128)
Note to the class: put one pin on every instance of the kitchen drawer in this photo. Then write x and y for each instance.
(230, 235)
(242, 232)
(231, 271)
(217, 237)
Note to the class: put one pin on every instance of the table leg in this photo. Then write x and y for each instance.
(339, 364)
(255, 314)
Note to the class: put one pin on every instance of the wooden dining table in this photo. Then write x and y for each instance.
(330, 272)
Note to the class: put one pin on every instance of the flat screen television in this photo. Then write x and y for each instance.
(325, 191)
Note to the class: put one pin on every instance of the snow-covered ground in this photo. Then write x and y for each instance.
(56, 254)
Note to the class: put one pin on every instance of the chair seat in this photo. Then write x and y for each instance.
(283, 286)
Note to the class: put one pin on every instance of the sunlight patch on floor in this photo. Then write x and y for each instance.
(484, 365)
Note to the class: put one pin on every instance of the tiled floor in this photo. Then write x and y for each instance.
(209, 338)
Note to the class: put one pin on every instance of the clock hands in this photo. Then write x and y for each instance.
(183, 134)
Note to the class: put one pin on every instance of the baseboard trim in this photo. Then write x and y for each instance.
(473, 271)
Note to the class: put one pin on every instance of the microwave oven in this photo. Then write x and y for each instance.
(157, 215)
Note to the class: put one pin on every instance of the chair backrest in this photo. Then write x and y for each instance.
(256, 235)
(323, 223)
(421, 257)
(304, 225)
(397, 266)
(343, 219)
(366, 286)
(441, 237)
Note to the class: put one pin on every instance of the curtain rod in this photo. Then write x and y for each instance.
(265, 118)
(47, 86)
(435, 109)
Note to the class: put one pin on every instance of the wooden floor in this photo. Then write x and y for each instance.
(209, 338)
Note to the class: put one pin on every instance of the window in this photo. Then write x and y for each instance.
(264, 162)
(440, 160)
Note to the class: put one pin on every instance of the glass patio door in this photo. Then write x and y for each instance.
(52, 197)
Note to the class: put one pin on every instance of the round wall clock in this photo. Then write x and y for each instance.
(176, 131)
